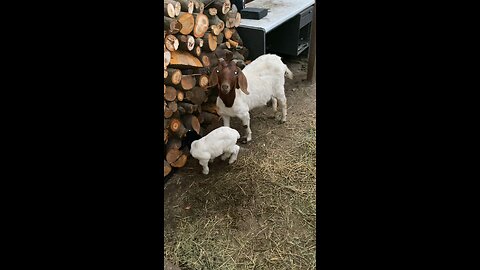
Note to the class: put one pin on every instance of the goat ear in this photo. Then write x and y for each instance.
(213, 80)
(242, 81)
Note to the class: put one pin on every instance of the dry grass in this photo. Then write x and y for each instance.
(261, 218)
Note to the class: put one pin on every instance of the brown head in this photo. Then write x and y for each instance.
(228, 77)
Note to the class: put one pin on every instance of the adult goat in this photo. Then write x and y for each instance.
(240, 91)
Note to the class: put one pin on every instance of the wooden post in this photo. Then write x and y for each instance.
(312, 51)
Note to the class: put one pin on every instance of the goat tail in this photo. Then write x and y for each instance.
(288, 73)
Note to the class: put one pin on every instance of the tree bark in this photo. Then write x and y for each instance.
(186, 42)
(172, 25)
(210, 42)
(170, 94)
(171, 42)
(197, 95)
(191, 122)
(187, 5)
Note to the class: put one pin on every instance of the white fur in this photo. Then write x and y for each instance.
(265, 79)
(220, 141)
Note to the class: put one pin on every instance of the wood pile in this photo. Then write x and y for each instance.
(196, 34)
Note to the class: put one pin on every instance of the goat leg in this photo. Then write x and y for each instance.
(204, 164)
(225, 155)
(283, 105)
(234, 155)
(246, 124)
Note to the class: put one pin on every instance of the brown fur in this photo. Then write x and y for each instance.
(224, 74)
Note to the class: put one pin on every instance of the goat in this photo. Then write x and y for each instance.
(220, 141)
(260, 81)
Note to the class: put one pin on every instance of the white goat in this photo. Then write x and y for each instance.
(219, 141)
(260, 81)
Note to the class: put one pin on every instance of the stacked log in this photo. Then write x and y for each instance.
(196, 34)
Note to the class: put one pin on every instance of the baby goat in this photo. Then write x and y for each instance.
(219, 141)
(260, 81)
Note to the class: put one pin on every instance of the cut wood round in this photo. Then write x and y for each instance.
(203, 80)
(167, 112)
(181, 161)
(201, 24)
(170, 94)
(197, 95)
(222, 6)
(183, 59)
(216, 25)
(171, 42)
(172, 105)
(229, 17)
(238, 19)
(197, 51)
(180, 95)
(236, 37)
(177, 128)
(191, 123)
(208, 118)
(198, 7)
(169, 9)
(166, 58)
(212, 11)
(210, 42)
(228, 32)
(234, 44)
(187, 82)
(166, 168)
(188, 22)
(186, 42)
(205, 59)
(165, 73)
(171, 25)
(173, 143)
(188, 108)
(187, 5)
(176, 158)
(174, 76)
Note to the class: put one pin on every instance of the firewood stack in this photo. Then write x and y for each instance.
(196, 34)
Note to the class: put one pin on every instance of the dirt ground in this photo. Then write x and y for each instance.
(259, 212)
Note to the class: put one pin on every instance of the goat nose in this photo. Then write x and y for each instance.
(225, 87)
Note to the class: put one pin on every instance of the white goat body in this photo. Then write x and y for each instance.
(266, 78)
(220, 141)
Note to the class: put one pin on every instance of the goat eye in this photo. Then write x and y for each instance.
(218, 71)
(236, 72)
